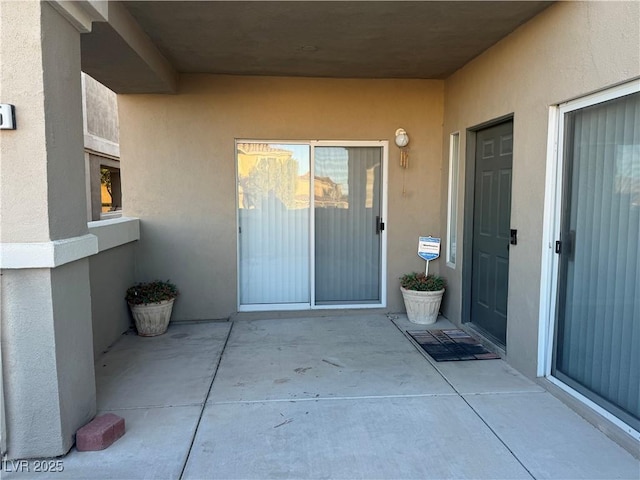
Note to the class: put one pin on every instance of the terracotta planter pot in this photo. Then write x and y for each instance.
(153, 318)
(422, 307)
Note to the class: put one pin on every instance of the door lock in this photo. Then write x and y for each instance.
(513, 240)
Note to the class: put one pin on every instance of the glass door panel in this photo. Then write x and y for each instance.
(273, 218)
(598, 318)
(347, 212)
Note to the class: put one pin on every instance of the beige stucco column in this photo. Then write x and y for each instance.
(46, 337)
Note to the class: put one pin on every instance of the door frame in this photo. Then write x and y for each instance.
(467, 231)
(384, 145)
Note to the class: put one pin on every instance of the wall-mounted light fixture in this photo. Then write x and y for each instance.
(7, 116)
(402, 140)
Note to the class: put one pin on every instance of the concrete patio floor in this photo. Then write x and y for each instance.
(328, 397)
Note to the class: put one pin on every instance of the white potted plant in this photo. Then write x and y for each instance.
(422, 296)
(151, 305)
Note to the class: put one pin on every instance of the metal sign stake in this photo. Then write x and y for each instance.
(428, 249)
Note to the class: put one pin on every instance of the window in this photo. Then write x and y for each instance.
(452, 212)
(110, 192)
(103, 186)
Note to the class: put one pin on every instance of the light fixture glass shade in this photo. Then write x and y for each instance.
(402, 139)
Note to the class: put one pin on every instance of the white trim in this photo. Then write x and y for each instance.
(349, 306)
(601, 96)
(114, 232)
(271, 307)
(237, 203)
(312, 226)
(47, 254)
(549, 228)
(595, 407)
(276, 307)
(103, 235)
(452, 136)
(385, 219)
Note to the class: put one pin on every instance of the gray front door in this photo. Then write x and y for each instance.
(491, 230)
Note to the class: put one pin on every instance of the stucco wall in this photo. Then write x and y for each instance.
(23, 208)
(569, 50)
(63, 108)
(178, 155)
(73, 350)
(50, 393)
(111, 273)
(101, 110)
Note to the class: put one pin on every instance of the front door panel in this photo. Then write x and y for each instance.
(491, 229)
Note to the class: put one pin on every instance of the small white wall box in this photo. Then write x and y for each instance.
(7, 117)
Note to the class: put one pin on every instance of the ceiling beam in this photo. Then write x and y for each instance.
(120, 55)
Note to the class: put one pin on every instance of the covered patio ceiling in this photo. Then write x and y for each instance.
(357, 39)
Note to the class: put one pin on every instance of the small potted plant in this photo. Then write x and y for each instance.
(151, 304)
(422, 296)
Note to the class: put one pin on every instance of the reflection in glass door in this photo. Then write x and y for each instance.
(298, 250)
(273, 221)
(347, 213)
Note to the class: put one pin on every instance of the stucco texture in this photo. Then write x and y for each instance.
(101, 110)
(111, 273)
(42, 164)
(569, 50)
(178, 163)
(23, 215)
(50, 392)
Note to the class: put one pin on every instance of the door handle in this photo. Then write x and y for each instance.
(513, 239)
(379, 225)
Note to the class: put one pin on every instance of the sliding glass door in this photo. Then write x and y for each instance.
(347, 214)
(597, 344)
(310, 224)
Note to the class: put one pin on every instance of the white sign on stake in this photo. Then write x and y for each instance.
(428, 249)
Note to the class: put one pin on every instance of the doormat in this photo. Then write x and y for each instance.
(451, 345)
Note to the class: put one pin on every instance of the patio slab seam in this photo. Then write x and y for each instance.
(500, 439)
(316, 399)
(462, 396)
(147, 407)
(505, 393)
(204, 403)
